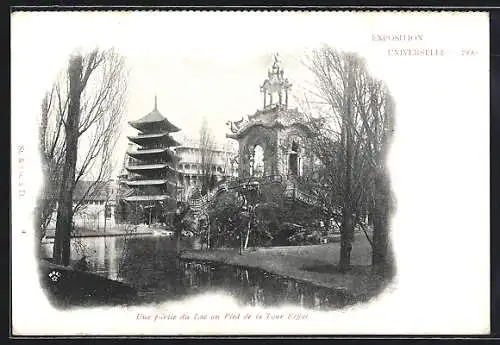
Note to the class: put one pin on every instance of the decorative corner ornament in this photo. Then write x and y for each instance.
(55, 275)
(235, 126)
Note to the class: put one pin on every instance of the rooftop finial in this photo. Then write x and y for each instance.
(156, 103)
(276, 60)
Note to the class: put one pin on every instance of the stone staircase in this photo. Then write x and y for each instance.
(293, 191)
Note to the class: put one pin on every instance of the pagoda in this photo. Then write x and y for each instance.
(151, 167)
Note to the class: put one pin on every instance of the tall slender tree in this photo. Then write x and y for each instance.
(65, 206)
(352, 114)
(89, 105)
(207, 146)
(51, 146)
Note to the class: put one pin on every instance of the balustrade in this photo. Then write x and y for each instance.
(146, 162)
(292, 193)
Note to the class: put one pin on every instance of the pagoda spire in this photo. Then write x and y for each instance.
(156, 103)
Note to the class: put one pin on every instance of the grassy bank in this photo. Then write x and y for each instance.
(317, 264)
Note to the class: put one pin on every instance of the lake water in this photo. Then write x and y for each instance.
(149, 264)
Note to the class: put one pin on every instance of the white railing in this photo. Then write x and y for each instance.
(294, 193)
(306, 198)
(202, 203)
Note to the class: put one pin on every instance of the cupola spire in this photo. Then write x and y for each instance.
(276, 87)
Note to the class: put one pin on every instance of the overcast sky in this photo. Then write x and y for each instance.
(212, 63)
(211, 66)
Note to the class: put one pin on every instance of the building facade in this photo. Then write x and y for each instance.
(223, 162)
(151, 169)
(94, 205)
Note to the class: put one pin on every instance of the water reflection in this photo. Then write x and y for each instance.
(149, 264)
(258, 288)
(103, 254)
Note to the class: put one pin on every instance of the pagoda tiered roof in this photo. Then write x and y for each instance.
(152, 161)
(148, 198)
(147, 153)
(154, 120)
(155, 166)
(152, 182)
(164, 137)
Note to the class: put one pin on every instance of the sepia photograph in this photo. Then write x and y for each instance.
(205, 172)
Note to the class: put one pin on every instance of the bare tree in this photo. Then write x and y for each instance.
(353, 121)
(206, 156)
(378, 121)
(51, 147)
(89, 102)
(107, 198)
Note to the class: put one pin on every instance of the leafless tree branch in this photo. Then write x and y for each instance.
(101, 95)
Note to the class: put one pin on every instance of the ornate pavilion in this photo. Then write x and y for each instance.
(272, 140)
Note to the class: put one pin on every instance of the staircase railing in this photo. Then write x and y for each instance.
(201, 203)
(293, 191)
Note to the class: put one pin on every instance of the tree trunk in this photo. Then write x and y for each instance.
(383, 199)
(347, 237)
(218, 236)
(380, 220)
(38, 230)
(178, 234)
(105, 208)
(43, 198)
(178, 230)
(208, 237)
(65, 204)
(241, 242)
(347, 234)
(248, 235)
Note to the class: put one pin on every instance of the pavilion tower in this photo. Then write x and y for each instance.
(271, 141)
(151, 167)
(274, 145)
(276, 87)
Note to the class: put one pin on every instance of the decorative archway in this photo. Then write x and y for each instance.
(257, 161)
(295, 159)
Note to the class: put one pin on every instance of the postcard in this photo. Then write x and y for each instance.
(250, 173)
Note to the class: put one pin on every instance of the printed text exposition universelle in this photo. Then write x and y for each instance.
(400, 37)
